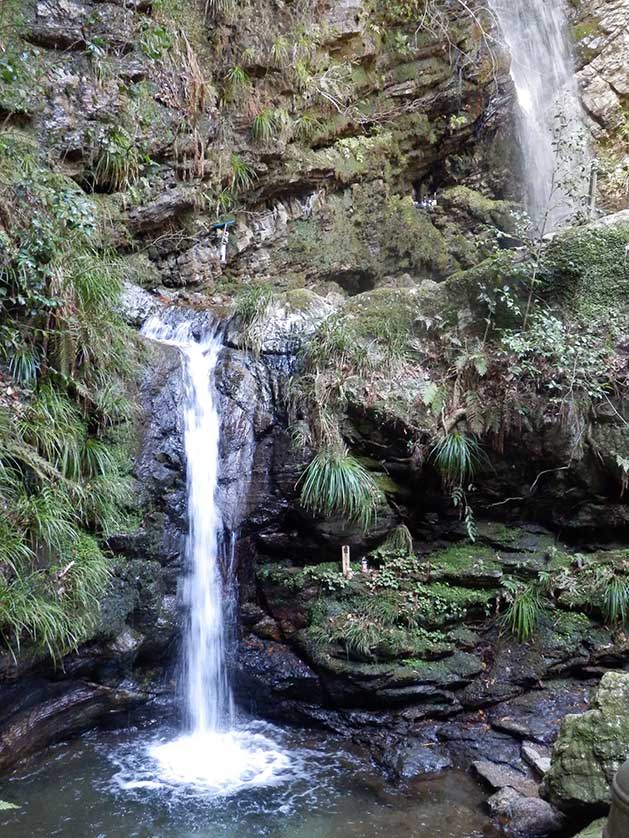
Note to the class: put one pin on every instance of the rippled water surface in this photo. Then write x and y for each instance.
(121, 784)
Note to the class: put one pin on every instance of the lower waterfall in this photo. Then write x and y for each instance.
(214, 751)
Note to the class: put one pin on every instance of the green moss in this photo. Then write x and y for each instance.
(290, 578)
(585, 271)
(462, 557)
(477, 206)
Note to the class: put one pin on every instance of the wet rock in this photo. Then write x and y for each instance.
(127, 642)
(267, 629)
(529, 817)
(590, 749)
(266, 672)
(137, 305)
(61, 710)
(406, 758)
(288, 321)
(537, 715)
(471, 739)
(501, 776)
(537, 756)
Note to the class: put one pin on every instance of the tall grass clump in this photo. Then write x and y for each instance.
(524, 609)
(457, 456)
(336, 483)
(615, 600)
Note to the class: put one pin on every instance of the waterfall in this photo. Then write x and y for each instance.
(206, 694)
(549, 118)
(214, 753)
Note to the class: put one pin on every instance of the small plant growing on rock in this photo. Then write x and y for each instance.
(280, 51)
(524, 608)
(335, 483)
(243, 175)
(263, 126)
(252, 306)
(457, 457)
(615, 599)
(119, 161)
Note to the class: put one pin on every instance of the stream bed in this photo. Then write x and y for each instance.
(110, 784)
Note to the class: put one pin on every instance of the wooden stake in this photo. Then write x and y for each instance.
(345, 561)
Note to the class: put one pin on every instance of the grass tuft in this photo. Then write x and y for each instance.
(335, 483)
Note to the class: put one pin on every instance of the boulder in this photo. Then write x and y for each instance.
(528, 817)
(590, 749)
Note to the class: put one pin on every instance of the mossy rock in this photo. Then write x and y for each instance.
(594, 830)
(452, 671)
(474, 205)
(590, 749)
(366, 233)
(584, 269)
(440, 604)
(469, 291)
(465, 565)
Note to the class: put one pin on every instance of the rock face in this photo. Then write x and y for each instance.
(603, 47)
(590, 749)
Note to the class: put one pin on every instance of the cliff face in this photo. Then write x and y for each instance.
(369, 171)
(602, 39)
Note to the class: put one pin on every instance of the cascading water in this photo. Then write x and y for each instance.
(214, 753)
(549, 119)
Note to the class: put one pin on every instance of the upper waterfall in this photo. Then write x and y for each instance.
(549, 117)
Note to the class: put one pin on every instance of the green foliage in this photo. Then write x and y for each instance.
(4, 806)
(243, 175)
(119, 161)
(280, 51)
(63, 465)
(218, 8)
(328, 576)
(264, 126)
(306, 126)
(155, 41)
(615, 600)
(252, 306)
(457, 457)
(253, 303)
(524, 608)
(561, 358)
(335, 483)
(237, 84)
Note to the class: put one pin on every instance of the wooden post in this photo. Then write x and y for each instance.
(593, 189)
(345, 561)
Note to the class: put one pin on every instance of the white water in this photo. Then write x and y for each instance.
(549, 119)
(213, 754)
